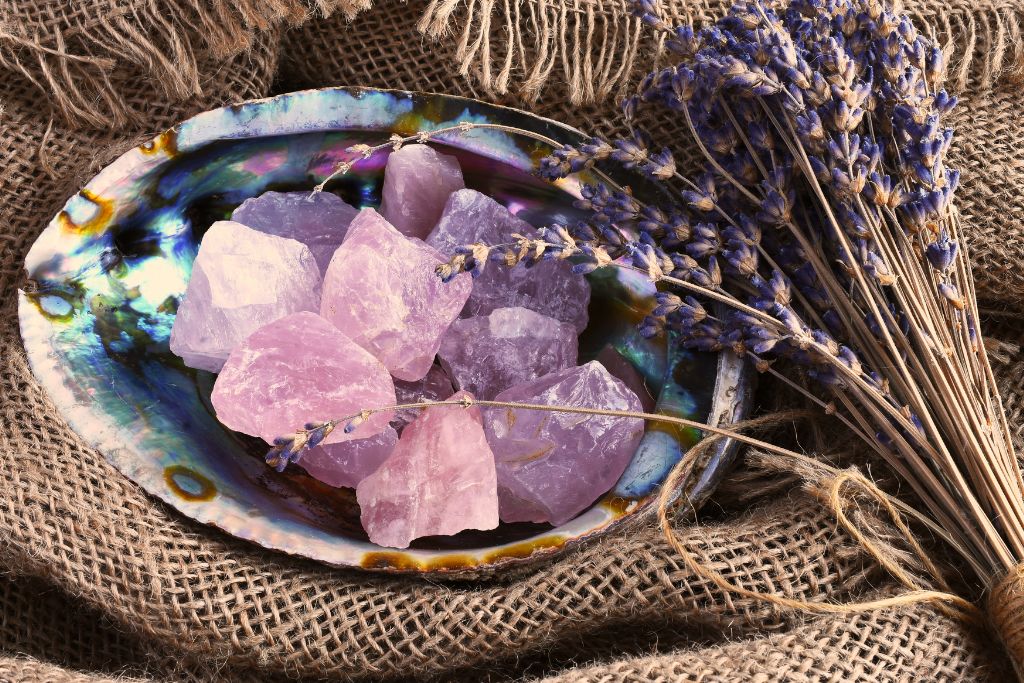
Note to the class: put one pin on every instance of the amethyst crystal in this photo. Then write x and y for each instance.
(488, 354)
(552, 465)
(550, 287)
(349, 462)
(318, 220)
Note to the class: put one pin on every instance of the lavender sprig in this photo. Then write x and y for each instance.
(824, 218)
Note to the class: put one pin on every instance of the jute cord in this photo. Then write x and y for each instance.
(837, 501)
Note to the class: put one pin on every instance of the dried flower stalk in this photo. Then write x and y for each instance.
(824, 219)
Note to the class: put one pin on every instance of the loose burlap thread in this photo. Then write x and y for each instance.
(176, 596)
(1006, 608)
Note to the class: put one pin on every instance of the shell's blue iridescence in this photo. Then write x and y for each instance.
(107, 274)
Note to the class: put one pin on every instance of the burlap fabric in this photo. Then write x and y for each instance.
(100, 581)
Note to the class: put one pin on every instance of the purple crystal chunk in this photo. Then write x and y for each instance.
(417, 182)
(488, 354)
(551, 466)
(349, 462)
(296, 370)
(439, 480)
(550, 287)
(616, 364)
(381, 291)
(241, 280)
(435, 386)
(318, 220)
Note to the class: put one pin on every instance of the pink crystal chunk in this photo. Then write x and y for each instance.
(439, 480)
(550, 287)
(551, 466)
(296, 370)
(488, 354)
(318, 220)
(381, 291)
(349, 462)
(241, 280)
(417, 182)
(616, 364)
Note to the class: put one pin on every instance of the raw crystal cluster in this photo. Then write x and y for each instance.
(300, 369)
(417, 183)
(550, 287)
(317, 219)
(439, 480)
(381, 290)
(349, 462)
(553, 465)
(382, 329)
(616, 363)
(241, 280)
(488, 354)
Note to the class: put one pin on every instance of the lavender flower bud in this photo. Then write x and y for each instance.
(942, 252)
(951, 294)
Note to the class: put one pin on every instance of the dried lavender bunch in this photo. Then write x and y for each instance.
(824, 219)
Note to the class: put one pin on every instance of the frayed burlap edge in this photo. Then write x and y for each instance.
(79, 63)
(595, 46)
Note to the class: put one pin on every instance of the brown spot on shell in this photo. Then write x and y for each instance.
(99, 222)
(619, 507)
(166, 142)
(188, 484)
(397, 560)
(524, 549)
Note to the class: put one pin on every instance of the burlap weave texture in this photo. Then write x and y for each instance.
(177, 599)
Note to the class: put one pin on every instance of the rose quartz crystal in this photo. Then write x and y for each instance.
(296, 370)
(381, 291)
(349, 462)
(551, 466)
(417, 182)
(616, 364)
(241, 280)
(318, 220)
(488, 354)
(550, 287)
(439, 480)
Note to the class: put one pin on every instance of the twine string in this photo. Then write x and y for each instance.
(842, 481)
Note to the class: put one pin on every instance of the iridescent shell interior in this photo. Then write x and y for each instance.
(105, 276)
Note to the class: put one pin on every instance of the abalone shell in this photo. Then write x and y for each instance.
(106, 275)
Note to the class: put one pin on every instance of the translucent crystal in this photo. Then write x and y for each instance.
(296, 370)
(439, 480)
(435, 386)
(550, 287)
(241, 280)
(616, 364)
(318, 220)
(417, 182)
(488, 354)
(381, 291)
(349, 462)
(552, 465)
